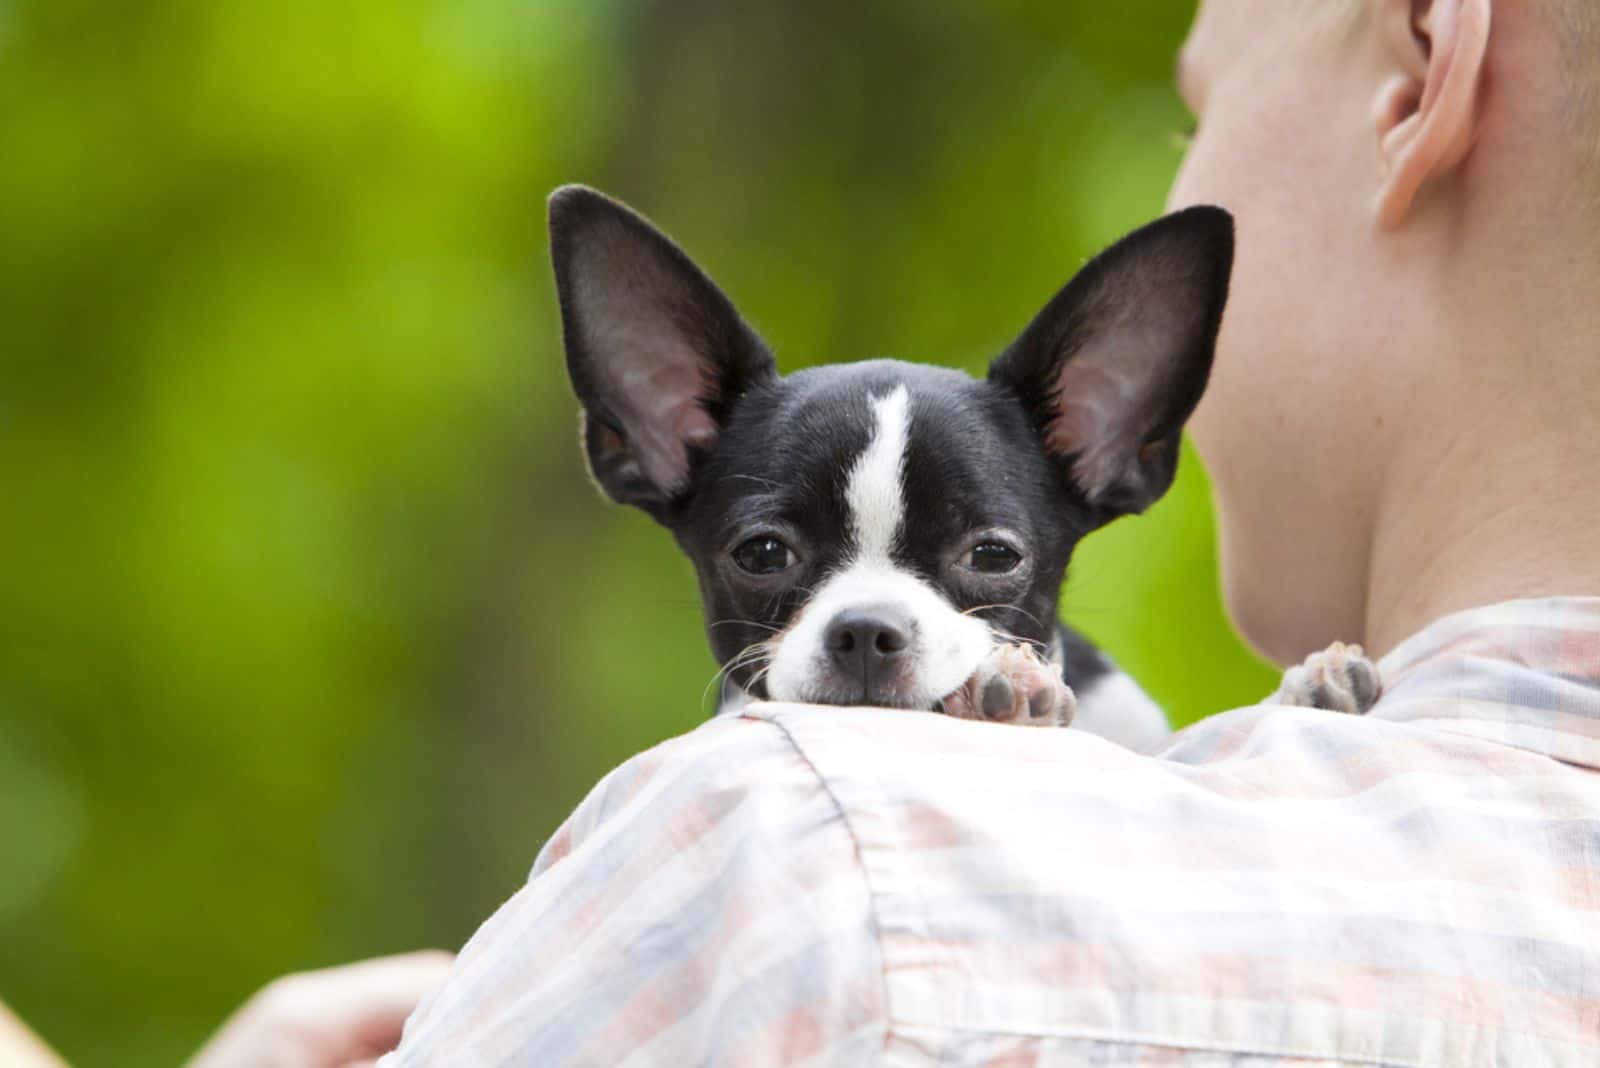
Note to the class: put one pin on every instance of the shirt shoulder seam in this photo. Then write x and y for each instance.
(861, 865)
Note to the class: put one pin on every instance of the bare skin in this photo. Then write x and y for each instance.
(335, 1018)
(1420, 435)
(21, 1048)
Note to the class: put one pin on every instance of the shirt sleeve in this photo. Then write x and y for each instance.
(704, 905)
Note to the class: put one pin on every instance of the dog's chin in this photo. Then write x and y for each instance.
(822, 693)
(915, 689)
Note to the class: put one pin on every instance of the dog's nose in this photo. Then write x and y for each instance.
(862, 643)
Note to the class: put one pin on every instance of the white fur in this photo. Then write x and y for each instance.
(948, 645)
(1117, 709)
(874, 490)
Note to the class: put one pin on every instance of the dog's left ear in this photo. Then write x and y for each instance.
(1115, 364)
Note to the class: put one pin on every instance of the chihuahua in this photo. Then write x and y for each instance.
(886, 533)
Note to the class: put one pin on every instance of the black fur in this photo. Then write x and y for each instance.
(972, 465)
(692, 309)
(1146, 310)
(979, 458)
(1082, 665)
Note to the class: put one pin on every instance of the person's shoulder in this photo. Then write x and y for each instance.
(876, 760)
(727, 752)
(720, 765)
(891, 742)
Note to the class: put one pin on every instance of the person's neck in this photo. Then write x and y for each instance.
(1494, 495)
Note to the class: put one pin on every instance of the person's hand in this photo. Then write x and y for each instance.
(21, 1048)
(340, 1016)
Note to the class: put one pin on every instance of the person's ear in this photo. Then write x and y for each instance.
(1427, 111)
(657, 353)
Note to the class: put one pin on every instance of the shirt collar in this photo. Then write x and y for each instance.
(1523, 673)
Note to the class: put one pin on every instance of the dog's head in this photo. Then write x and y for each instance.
(865, 533)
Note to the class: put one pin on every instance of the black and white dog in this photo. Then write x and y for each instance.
(888, 533)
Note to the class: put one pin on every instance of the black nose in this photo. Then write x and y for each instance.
(865, 643)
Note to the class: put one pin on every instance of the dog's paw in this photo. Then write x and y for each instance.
(1014, 684)
(1339, 679)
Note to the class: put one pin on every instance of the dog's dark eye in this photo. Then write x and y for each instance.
(993, 558)
(764, 556)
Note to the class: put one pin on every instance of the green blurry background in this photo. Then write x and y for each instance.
(311, 630)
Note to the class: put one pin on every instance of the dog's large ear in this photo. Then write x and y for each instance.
(1117, 361)
(657, 353)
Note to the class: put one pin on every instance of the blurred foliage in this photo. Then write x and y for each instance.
(312, 629)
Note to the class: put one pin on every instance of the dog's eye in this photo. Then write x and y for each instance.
(993, 558)
(764, 556)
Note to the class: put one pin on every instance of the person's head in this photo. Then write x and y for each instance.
(1416, 190)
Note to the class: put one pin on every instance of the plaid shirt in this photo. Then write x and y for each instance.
(1278, 886)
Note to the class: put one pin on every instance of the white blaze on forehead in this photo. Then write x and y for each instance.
(946, 645)
(873, 490)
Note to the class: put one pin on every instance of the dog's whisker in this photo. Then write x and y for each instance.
(716, 680)
(1004, 633)
(749, 654)
(1017, 639)
(745, 623)
(754, 653)
(723, 672)
(769, 483)
(744, 659)
(1003, 605)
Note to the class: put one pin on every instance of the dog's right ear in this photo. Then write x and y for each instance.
(657, 354)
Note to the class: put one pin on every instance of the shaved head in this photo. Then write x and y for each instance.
(1577, 25)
